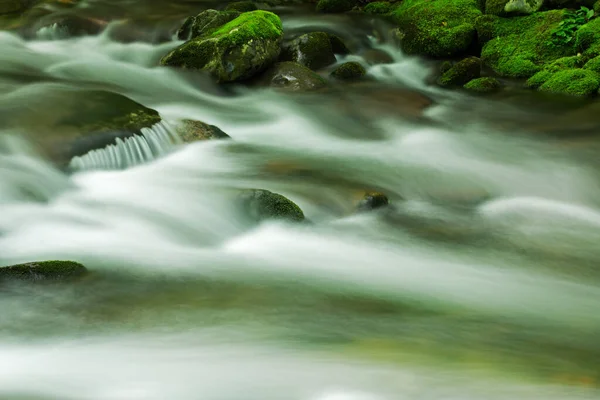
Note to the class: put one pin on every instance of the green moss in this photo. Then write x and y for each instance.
(437, 28)
(462, 72)
(587, 39)
(255, 25)
(262, 205)
(538, 79)
(205, 23)
(336, 6)
(241, 6)
(378, 8)
(483, 85)
(573, 82)
(521, 45)
(593, 64)
(349, 71)
(43, 271)
(550, 69)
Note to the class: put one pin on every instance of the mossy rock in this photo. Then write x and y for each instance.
(291, 76)
(550, 69)
(241, 6)
(520, 46)
(312, 50)
(192, 131)
(260, 205)
(349, 71)
(236, 51)
(336, 6)
(587, 39)
(205, 23)
(593, 64)
(372, 201)
(43, 271)
(483, 85)
(512, 7)
(337, 45)
(437, 28)
(378, 8)
(461, 72)
(572, 82)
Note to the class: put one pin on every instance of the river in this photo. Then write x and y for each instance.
(482, 282)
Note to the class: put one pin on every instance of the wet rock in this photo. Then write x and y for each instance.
(372, 201)
(337, 45)
(193, 131)
(441, 28)
(293, 77)
(462, 72)
(312, 50)
(260, 205)
(572, 82)
(69, 25)
(378, 8)
(483, 85)
(512, 7)
(236, 51)
(205, 23)
(43, 271)
(336, 6)
(349, 71)
(241, 6)
(376, 57)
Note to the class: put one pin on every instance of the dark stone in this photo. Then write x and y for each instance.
(292, 76)
(312, 50)
(43, 271)
(372, 201)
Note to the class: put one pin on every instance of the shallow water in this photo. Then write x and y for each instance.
(482, 282)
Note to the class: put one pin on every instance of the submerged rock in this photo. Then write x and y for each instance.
(43, 271)
(441, 28)
(312, 50)
(293, 77)
(461, 72)
(260, 205)
(349, 71)
(236, 51)
(193, 131)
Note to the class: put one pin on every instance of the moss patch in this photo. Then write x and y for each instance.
(573, 82)
(349, 71)
(43, 271)
(587, 39)
(462, 72)
(593, 64)
(437, 28)
(378, 8)
(205, 23)
(483, 85)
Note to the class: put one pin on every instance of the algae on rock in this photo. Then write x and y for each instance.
(483, 85)
(42, 271)
(235, 51)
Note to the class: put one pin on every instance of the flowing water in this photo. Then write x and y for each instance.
(481, 282)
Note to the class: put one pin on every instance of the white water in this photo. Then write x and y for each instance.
(172, 219)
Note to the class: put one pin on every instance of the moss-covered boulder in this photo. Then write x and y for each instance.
(337, 44)
(572, 82)
(291, 76)
(260, 205)
(241, 6)
(378, 8)
(336, 6)
(461, 72)
(372, 201)
(437, 28)
(483, 85)
(312, 50)
(519, 47)
(205, 23)
(193, 131)
(593, 64)
(550, 69)
(236, 51)
(349, 71)
(587, 39)
(512, 7)
(43, 271)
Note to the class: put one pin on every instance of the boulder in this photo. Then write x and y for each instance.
(572, 82)
(436, 28)
(193, 131)
(43, 271)
(291, 76)
(312, 50)
(236, 51)
(205, 23)
(260, 205)
(372, 201)
(461, 72)
(483, 85)
(349, 71)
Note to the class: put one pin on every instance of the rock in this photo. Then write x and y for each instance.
(483, 85)
(43, 271)
(593, 64)
(261, 205)
(572, 82)
(378, 8)
(349, 71)
(550, 69)
(241, 6)
(462, 72)
(587, 39)
(70, 25)
(236, 51)
(293, 77)
(193, 131)
(519, 47)
(512, 7)
(441, 28)
(312, 50)
(337, 45)
(205, 23)
(336, 6)
(372, 201)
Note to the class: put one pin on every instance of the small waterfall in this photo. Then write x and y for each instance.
(131, 151)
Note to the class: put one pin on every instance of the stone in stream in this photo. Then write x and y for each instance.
(291, 76)
(205, 23)
(261, 205)
(349, 71)
(372, 201)
(312, 50)
(192, 131)
(336, 6)
(337, 44)
(483, 85)
(235, 51)
(241, 6)
(461, 72)
(43, 271)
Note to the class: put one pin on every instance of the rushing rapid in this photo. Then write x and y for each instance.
(480, 282)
